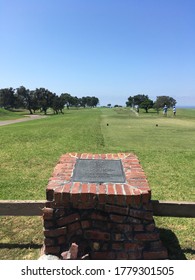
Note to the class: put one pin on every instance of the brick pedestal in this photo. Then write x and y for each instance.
(106, 220)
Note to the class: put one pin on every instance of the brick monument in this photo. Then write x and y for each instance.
(102, 202)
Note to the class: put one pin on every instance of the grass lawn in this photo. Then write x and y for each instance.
(29, 151)
(11, 115)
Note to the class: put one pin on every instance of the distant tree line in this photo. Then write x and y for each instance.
(42, 99)
(143, 101)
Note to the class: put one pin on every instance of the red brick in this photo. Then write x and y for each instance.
(100, 225)
(92, 188)
(138, 182)
(60, 212)
(50, 204)
(85, 224)
(136, 255)
(109, 156)
(75, 193)
(147, 206)
(49, 241)
(103, 255)
(156, 245)
(103, 156)
(90, 156)
(141, 214)
(74, 227)
(115, 156)
(52, 250)
(96, 156)
(97, 216)
(84, 156)
(68, 175)
(72, 155)
(92, 192)
(123, 227)
(121, 197)
(136, 191)
(117, 218)
(111, 194)
(145, 197)
(117, 246)
(48, 213)
(55, 232)
(138, 227)
(119, 237)
(84, 193)
(102, 194)
(155, 255)
(128, 192)
(136, 200)
(96, 246)
(131, 246)
(122, 256)
(116, 209)
(86, 205)
(150, 227)
(68, 219)
(146, 236)
(58, 194)
(79, 155)
(61, 240)
(49, 194)
(48, 224)
(96, 235)
(66, 193)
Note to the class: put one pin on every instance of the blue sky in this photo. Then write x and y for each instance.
(111, 49)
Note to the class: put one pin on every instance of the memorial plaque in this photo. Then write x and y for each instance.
(98, 171)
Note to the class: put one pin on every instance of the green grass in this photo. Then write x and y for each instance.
(166, 151)
(29, 151)
(11, 115)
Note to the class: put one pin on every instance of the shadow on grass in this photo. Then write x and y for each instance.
(170, 241)
(20, 246)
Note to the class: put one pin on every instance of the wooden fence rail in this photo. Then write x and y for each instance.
(34, 208)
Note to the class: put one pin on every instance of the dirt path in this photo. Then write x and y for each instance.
(132, 110)
(28, 118)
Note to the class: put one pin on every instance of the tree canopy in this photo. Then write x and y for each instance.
(163, 100)
(140, 100)
(143, 101)
(42, 99)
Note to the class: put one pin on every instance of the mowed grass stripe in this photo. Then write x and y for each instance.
(166, 151)
(29, 151)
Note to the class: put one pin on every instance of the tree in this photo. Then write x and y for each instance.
(34, 100)
(88, 99)
(67, 99)
(94, 101)
(146, 104)
(58, 104)
(136, 100)
(25, 98)
(74, 101)
(163, 100)
(130, 102)
(140, 100)
(7, 98)
(45, 99)
(83, 101)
